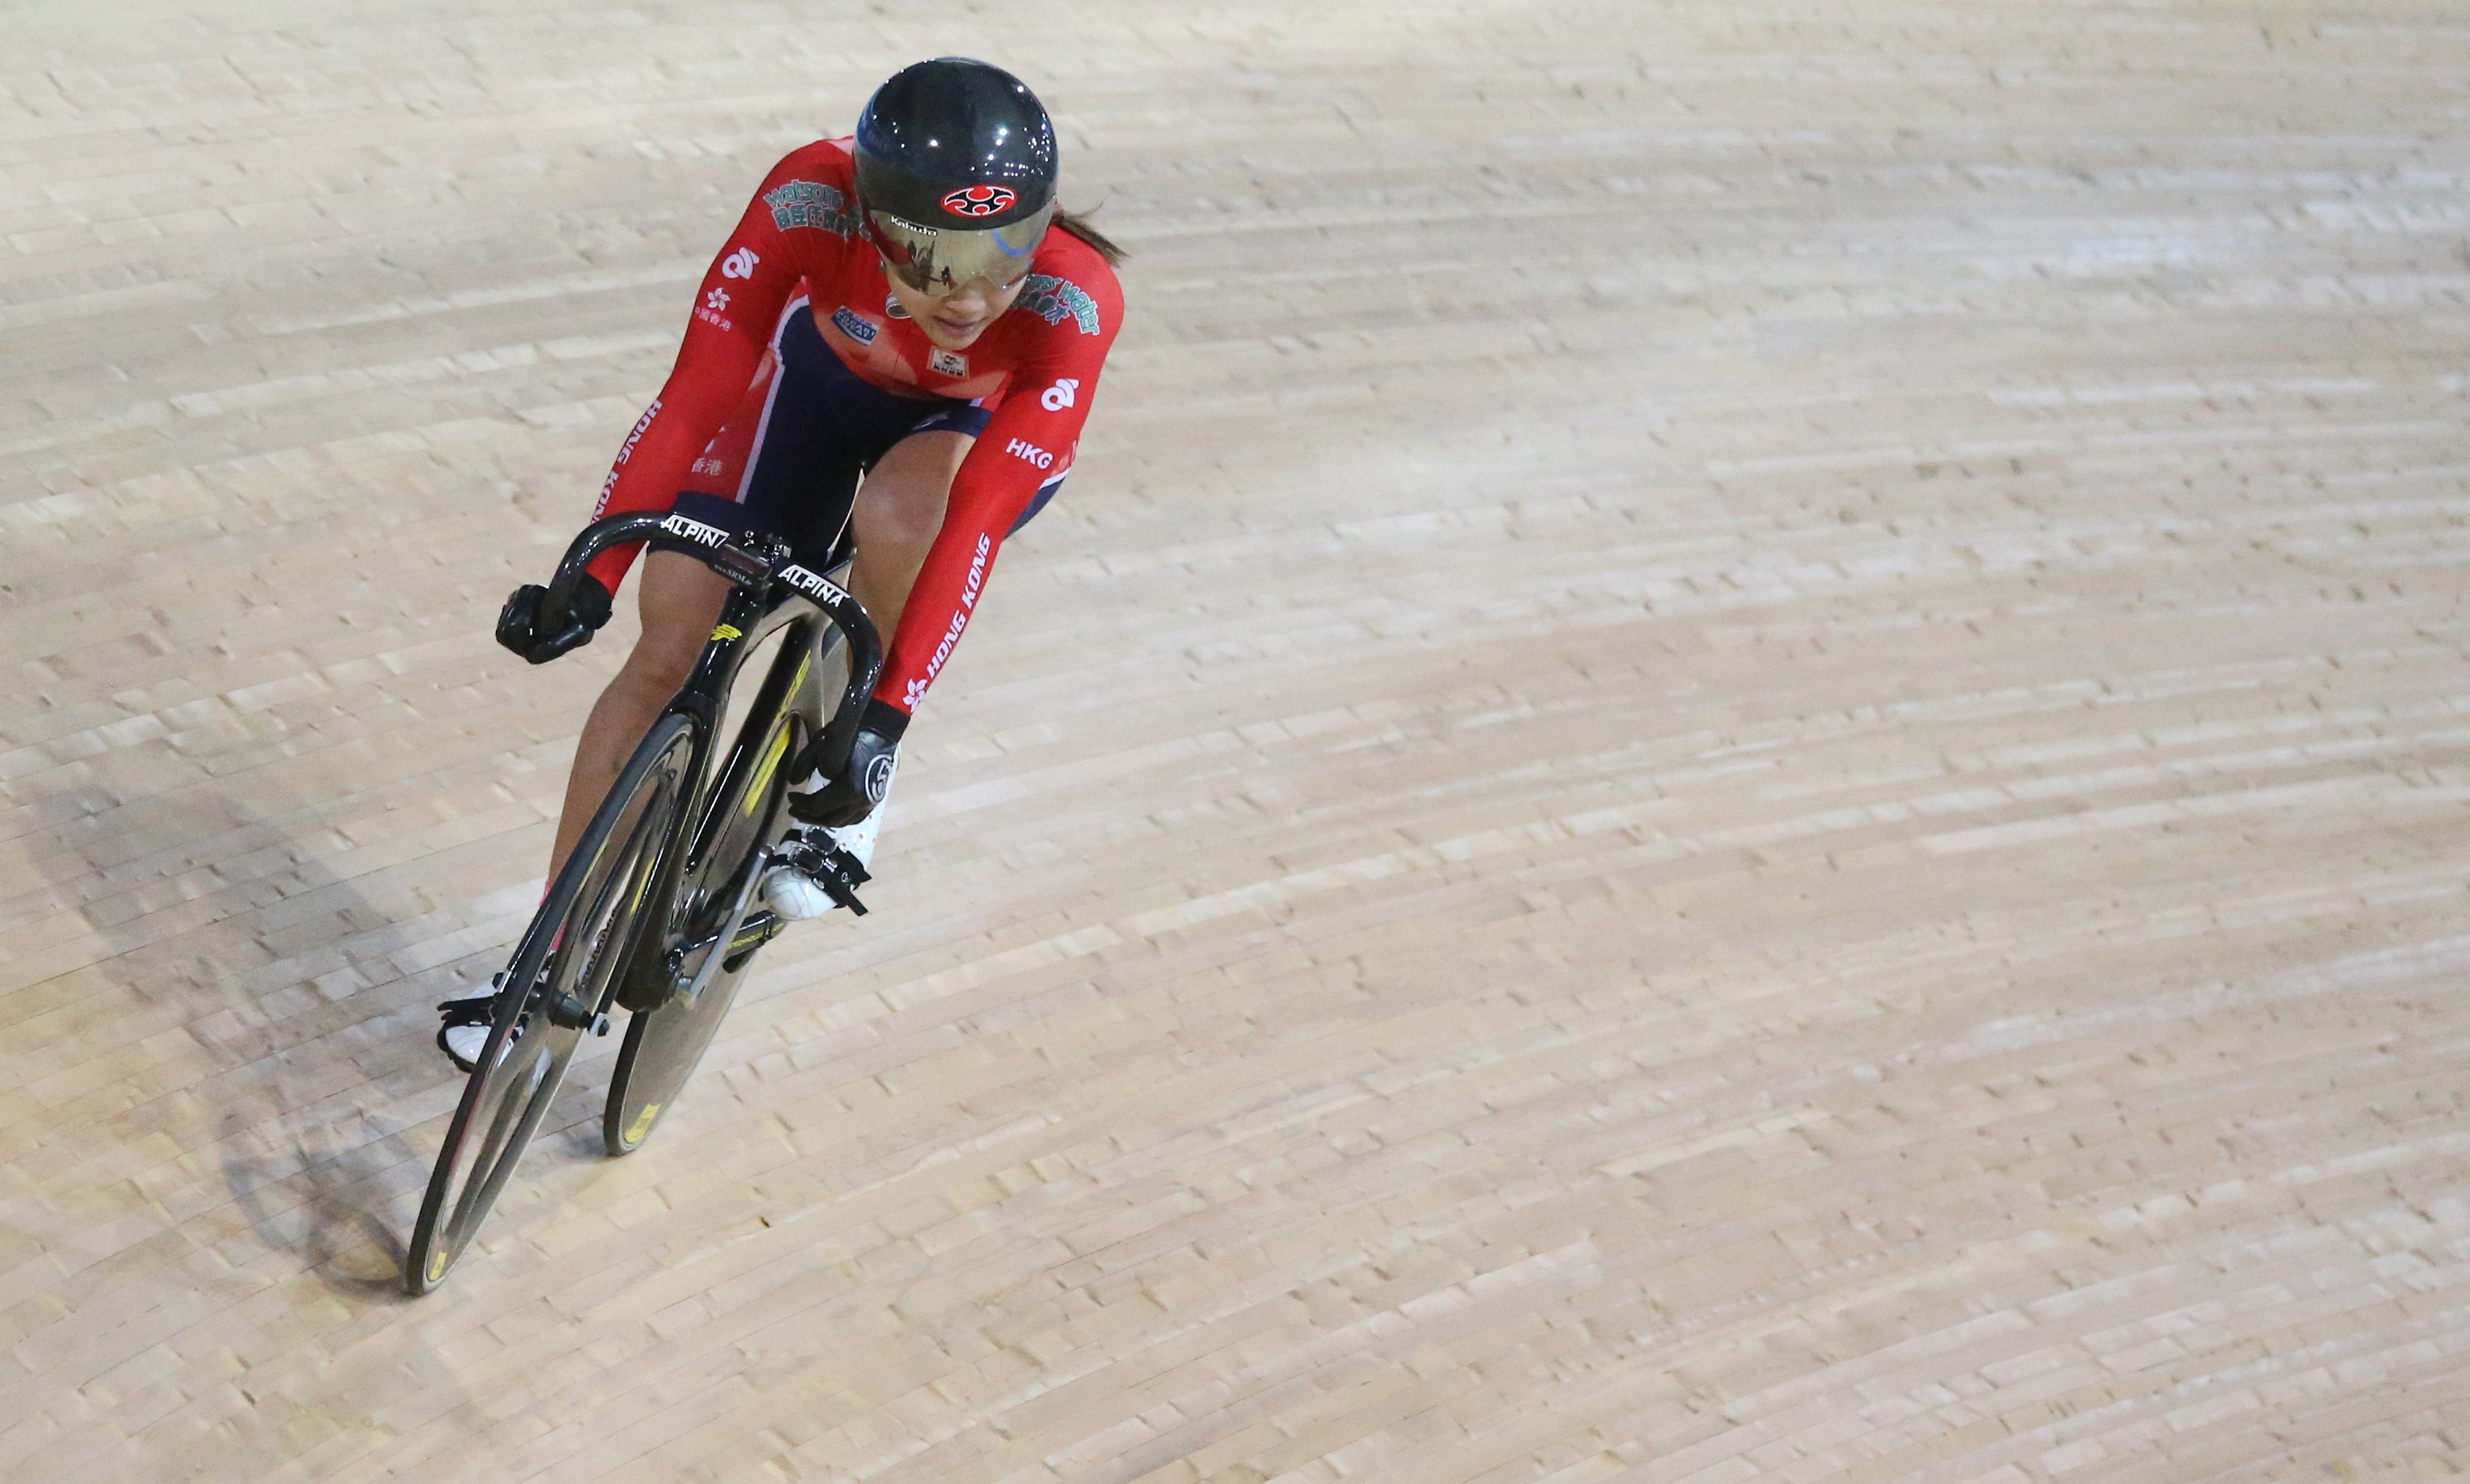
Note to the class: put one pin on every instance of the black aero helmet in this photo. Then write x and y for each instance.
(955, 172)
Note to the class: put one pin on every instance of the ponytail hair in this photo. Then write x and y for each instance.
(1078, 225)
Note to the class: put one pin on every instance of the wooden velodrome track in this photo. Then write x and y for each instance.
(1744, 755)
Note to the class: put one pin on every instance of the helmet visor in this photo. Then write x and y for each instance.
(929, 257)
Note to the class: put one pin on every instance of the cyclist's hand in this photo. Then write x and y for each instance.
(520, 627)
(851, 793)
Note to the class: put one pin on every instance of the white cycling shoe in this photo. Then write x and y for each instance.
(464, 1024)
(793, 894)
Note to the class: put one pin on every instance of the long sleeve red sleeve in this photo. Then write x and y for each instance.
(1030, 442)
(737, 304)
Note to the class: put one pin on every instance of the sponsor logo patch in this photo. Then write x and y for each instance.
(855, 326)
(945, 362)
(739, 264)
(1029, 453)
(878, 775)
(1057, 396)
(980, 200)
(811, 203)
(1056, 300)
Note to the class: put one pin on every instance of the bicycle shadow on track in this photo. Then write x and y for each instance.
(342, 1240)
(296, 1010)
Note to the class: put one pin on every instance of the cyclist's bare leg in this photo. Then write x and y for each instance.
(679, 599)
(899, 510)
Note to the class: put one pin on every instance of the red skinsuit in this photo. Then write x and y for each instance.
(1036, 365)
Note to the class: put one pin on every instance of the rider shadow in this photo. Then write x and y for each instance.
(313, 1202)
(294, 986)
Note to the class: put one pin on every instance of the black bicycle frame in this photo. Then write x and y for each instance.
(768, 592)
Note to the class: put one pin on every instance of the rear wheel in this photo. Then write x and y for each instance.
(557, 986)
(664, 1045)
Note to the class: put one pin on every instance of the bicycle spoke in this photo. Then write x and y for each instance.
(511, 1104)
(590, 916)
(623, 901)
(663, 1046)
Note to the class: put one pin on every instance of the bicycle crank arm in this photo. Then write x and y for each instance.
(751, 934)
(757, 930)
(739, 945)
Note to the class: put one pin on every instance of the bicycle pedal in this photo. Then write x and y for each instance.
(830, 867)
(760, 929)
(840, 877)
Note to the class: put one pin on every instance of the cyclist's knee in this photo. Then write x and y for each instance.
(663, 656)
(680, 602)
(902, 502)
(887, 524)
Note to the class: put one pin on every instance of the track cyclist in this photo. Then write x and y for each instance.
(907, 307)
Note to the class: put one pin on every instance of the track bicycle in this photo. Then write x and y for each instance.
(655, 910)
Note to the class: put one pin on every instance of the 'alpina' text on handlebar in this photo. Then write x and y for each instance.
(820, 591)
(695, 531)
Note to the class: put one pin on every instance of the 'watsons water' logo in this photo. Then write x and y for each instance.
(811, 203)
(863, 331)
(1056, 300)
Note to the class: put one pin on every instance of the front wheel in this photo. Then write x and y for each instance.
(662, 1045)
(557, 986)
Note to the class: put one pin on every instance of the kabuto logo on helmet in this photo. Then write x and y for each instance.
(980, 200)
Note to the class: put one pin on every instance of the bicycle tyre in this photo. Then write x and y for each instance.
(664, 1046)
(582, 932)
